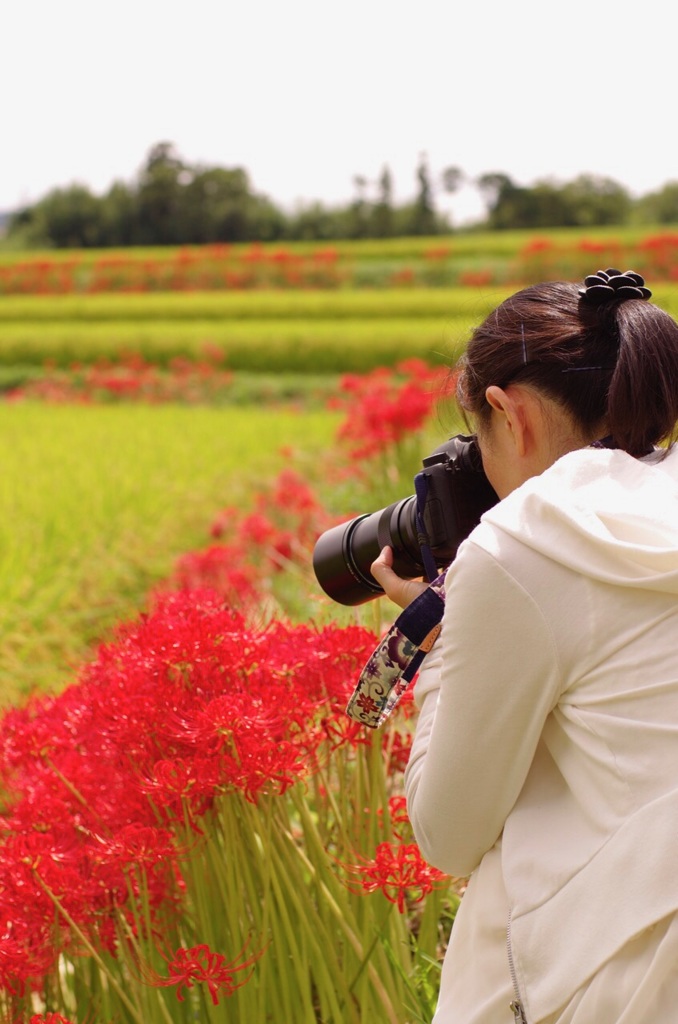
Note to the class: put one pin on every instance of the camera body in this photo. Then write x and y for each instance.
(452, 492)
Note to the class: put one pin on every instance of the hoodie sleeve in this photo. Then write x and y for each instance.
(484, 694)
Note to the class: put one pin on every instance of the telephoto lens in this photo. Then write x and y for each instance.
(452, 492)
(344, 554)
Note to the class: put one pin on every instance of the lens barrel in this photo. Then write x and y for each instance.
(343, 554)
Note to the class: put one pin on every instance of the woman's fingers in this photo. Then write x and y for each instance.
(400, 591)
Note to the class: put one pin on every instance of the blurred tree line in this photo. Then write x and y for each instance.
(587, 201)
(174, 203)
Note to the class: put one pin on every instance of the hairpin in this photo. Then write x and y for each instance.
(613, 285)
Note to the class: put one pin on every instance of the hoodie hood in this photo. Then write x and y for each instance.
(603, 514)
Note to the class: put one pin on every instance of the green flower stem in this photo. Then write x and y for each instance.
(378, 936)
(157, 999)
(340, 916)
(91, 950)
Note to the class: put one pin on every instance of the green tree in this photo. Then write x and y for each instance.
(659, 207)
(502, 198)
(587, 201)
(119, 216)
(316, 221)
(65, 218)
(593, 200)
(382, 214)
(159, 197)
(215, 206)
(423, 216)
(359, 212)
(268, 222)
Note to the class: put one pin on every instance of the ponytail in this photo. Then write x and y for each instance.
(642, 402)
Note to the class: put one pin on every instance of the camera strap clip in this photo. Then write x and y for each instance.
(395, 661)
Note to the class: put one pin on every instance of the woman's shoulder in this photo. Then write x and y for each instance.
(598, 513)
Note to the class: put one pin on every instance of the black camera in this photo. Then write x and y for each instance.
(424, 530)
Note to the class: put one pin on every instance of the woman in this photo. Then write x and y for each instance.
(545, 760)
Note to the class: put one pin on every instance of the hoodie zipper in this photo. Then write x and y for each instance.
(518, 1012)
(516, 1005)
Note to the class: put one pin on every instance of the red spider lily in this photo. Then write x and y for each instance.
(142, 845)
(400, 872)
(384, 407)
(201, 964)
(475, 278)
(131, 378)
(19, 964)
(404, 276)
(49, 1018)
(224, 568)
(439, 252)
(188, 702)
(343, 731)
(299, 516)
(171, 784)
(537, 244)
(282, 528)
(398, 748)
(397, 807)
(398, 818)
(293, 493)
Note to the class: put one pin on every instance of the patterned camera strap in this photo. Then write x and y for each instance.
(395, 661)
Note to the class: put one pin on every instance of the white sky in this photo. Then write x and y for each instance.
(306, 94)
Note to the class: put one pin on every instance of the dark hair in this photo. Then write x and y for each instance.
(616, 362)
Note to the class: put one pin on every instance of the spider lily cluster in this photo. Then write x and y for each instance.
(194, 829)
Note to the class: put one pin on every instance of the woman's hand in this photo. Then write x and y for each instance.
(401, 592)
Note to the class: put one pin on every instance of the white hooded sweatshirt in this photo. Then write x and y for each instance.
(545, 760)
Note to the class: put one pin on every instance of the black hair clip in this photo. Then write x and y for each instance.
(613, 285)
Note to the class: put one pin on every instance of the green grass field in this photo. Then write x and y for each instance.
(96, 503)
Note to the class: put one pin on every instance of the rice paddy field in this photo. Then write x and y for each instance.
(302, 332)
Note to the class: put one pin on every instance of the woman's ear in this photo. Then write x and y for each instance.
(496, 397)
(513, 414)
